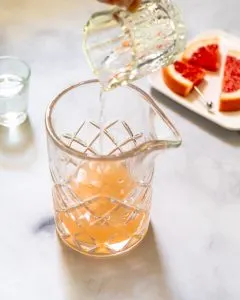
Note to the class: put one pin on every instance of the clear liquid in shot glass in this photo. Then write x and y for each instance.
(13, 100)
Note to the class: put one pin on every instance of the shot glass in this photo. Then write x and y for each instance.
(14, 89)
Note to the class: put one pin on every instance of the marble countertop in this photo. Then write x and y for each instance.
(192, 251)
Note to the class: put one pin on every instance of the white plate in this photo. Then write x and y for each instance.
(211, 89)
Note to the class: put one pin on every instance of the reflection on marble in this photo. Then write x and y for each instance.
(126, 277)
(17, 148)
(192, 249)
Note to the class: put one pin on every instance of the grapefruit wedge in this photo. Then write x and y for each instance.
(230, 97)
(204, 53)
(181, 77)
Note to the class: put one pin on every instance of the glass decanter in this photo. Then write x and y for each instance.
(123, 46)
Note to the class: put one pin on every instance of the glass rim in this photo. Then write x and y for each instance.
(17, 59)
(142, 148)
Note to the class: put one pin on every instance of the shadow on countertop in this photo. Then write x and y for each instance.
(17, 147)
(227, 136)
(137, 275)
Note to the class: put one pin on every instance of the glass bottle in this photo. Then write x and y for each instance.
(123, 46)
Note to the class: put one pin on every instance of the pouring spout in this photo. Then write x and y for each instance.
(144, 162)
(164, 134)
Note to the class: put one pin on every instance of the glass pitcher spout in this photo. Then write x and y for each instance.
(162, 133)
(163, 136)
(154, 146)
(166, 133)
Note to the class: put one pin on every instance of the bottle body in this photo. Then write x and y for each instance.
(122, 46)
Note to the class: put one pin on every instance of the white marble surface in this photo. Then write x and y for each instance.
(192, 251)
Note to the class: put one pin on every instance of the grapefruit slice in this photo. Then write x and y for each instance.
(230, 97)
(181, 77)
(204, 53)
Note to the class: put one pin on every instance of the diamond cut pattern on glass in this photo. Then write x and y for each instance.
(100, 208)
(87, 138)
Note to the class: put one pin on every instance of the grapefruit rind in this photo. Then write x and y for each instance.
(176, 82)
(230, 102)
(234, 53)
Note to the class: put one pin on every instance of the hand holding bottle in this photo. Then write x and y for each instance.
(129, 4)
